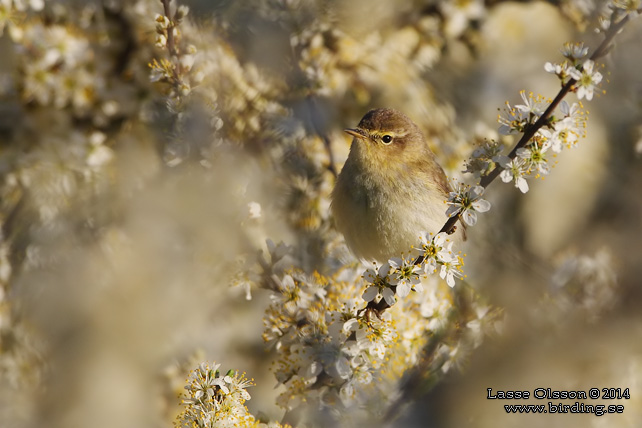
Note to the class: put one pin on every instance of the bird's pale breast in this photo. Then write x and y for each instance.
(381, 214)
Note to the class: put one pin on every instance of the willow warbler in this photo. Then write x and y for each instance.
(391, 188)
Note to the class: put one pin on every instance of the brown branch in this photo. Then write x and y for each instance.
(171, 44)
(529, 132)
(601, 50)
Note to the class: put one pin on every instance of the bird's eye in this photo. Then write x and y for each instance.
(387, 139)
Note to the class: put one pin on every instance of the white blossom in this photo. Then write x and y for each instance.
(434, 249)
(574, 51)
(514, 169)
(405, 276)
(379, 288)
(586, 79)
(467, 202)
(449, 271)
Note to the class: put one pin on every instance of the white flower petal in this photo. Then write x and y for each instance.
(343, 368)
(453, 210)
(505, 130)
(313, 370)
(503, 161)
(370, 275)
(450, 280)
(481, 205)
(403, 289)
(440, 239)
(384, 270)
(370, 293)
(351, 325)
(470, 217)
(476, 192)
(346, 393)
(575, 73)
(395, 262)
(430, 266)
(564, 108)
(544, 168)
(506, 176)
(523, 153)
(521, 184)
(389, 297)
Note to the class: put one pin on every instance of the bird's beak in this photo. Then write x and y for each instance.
(357, 133)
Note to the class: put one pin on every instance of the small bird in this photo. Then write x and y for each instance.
(390, 189)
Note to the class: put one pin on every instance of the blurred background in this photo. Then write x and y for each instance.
(134, 199)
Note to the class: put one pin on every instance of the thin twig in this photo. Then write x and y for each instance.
(171, 45)
(529, 132)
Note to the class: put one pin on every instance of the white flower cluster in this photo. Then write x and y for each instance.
(576, 68)
(516, 119)
(345, 64)
(213, 399)
(399, 276)
(9, 10)
(206, 78)
(336, 353)
(174, 70)
(615, 11)
(483, 158)
(59, 67)
(326, 351)
(532, 160)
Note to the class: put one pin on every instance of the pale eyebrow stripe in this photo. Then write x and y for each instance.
(394, 134)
